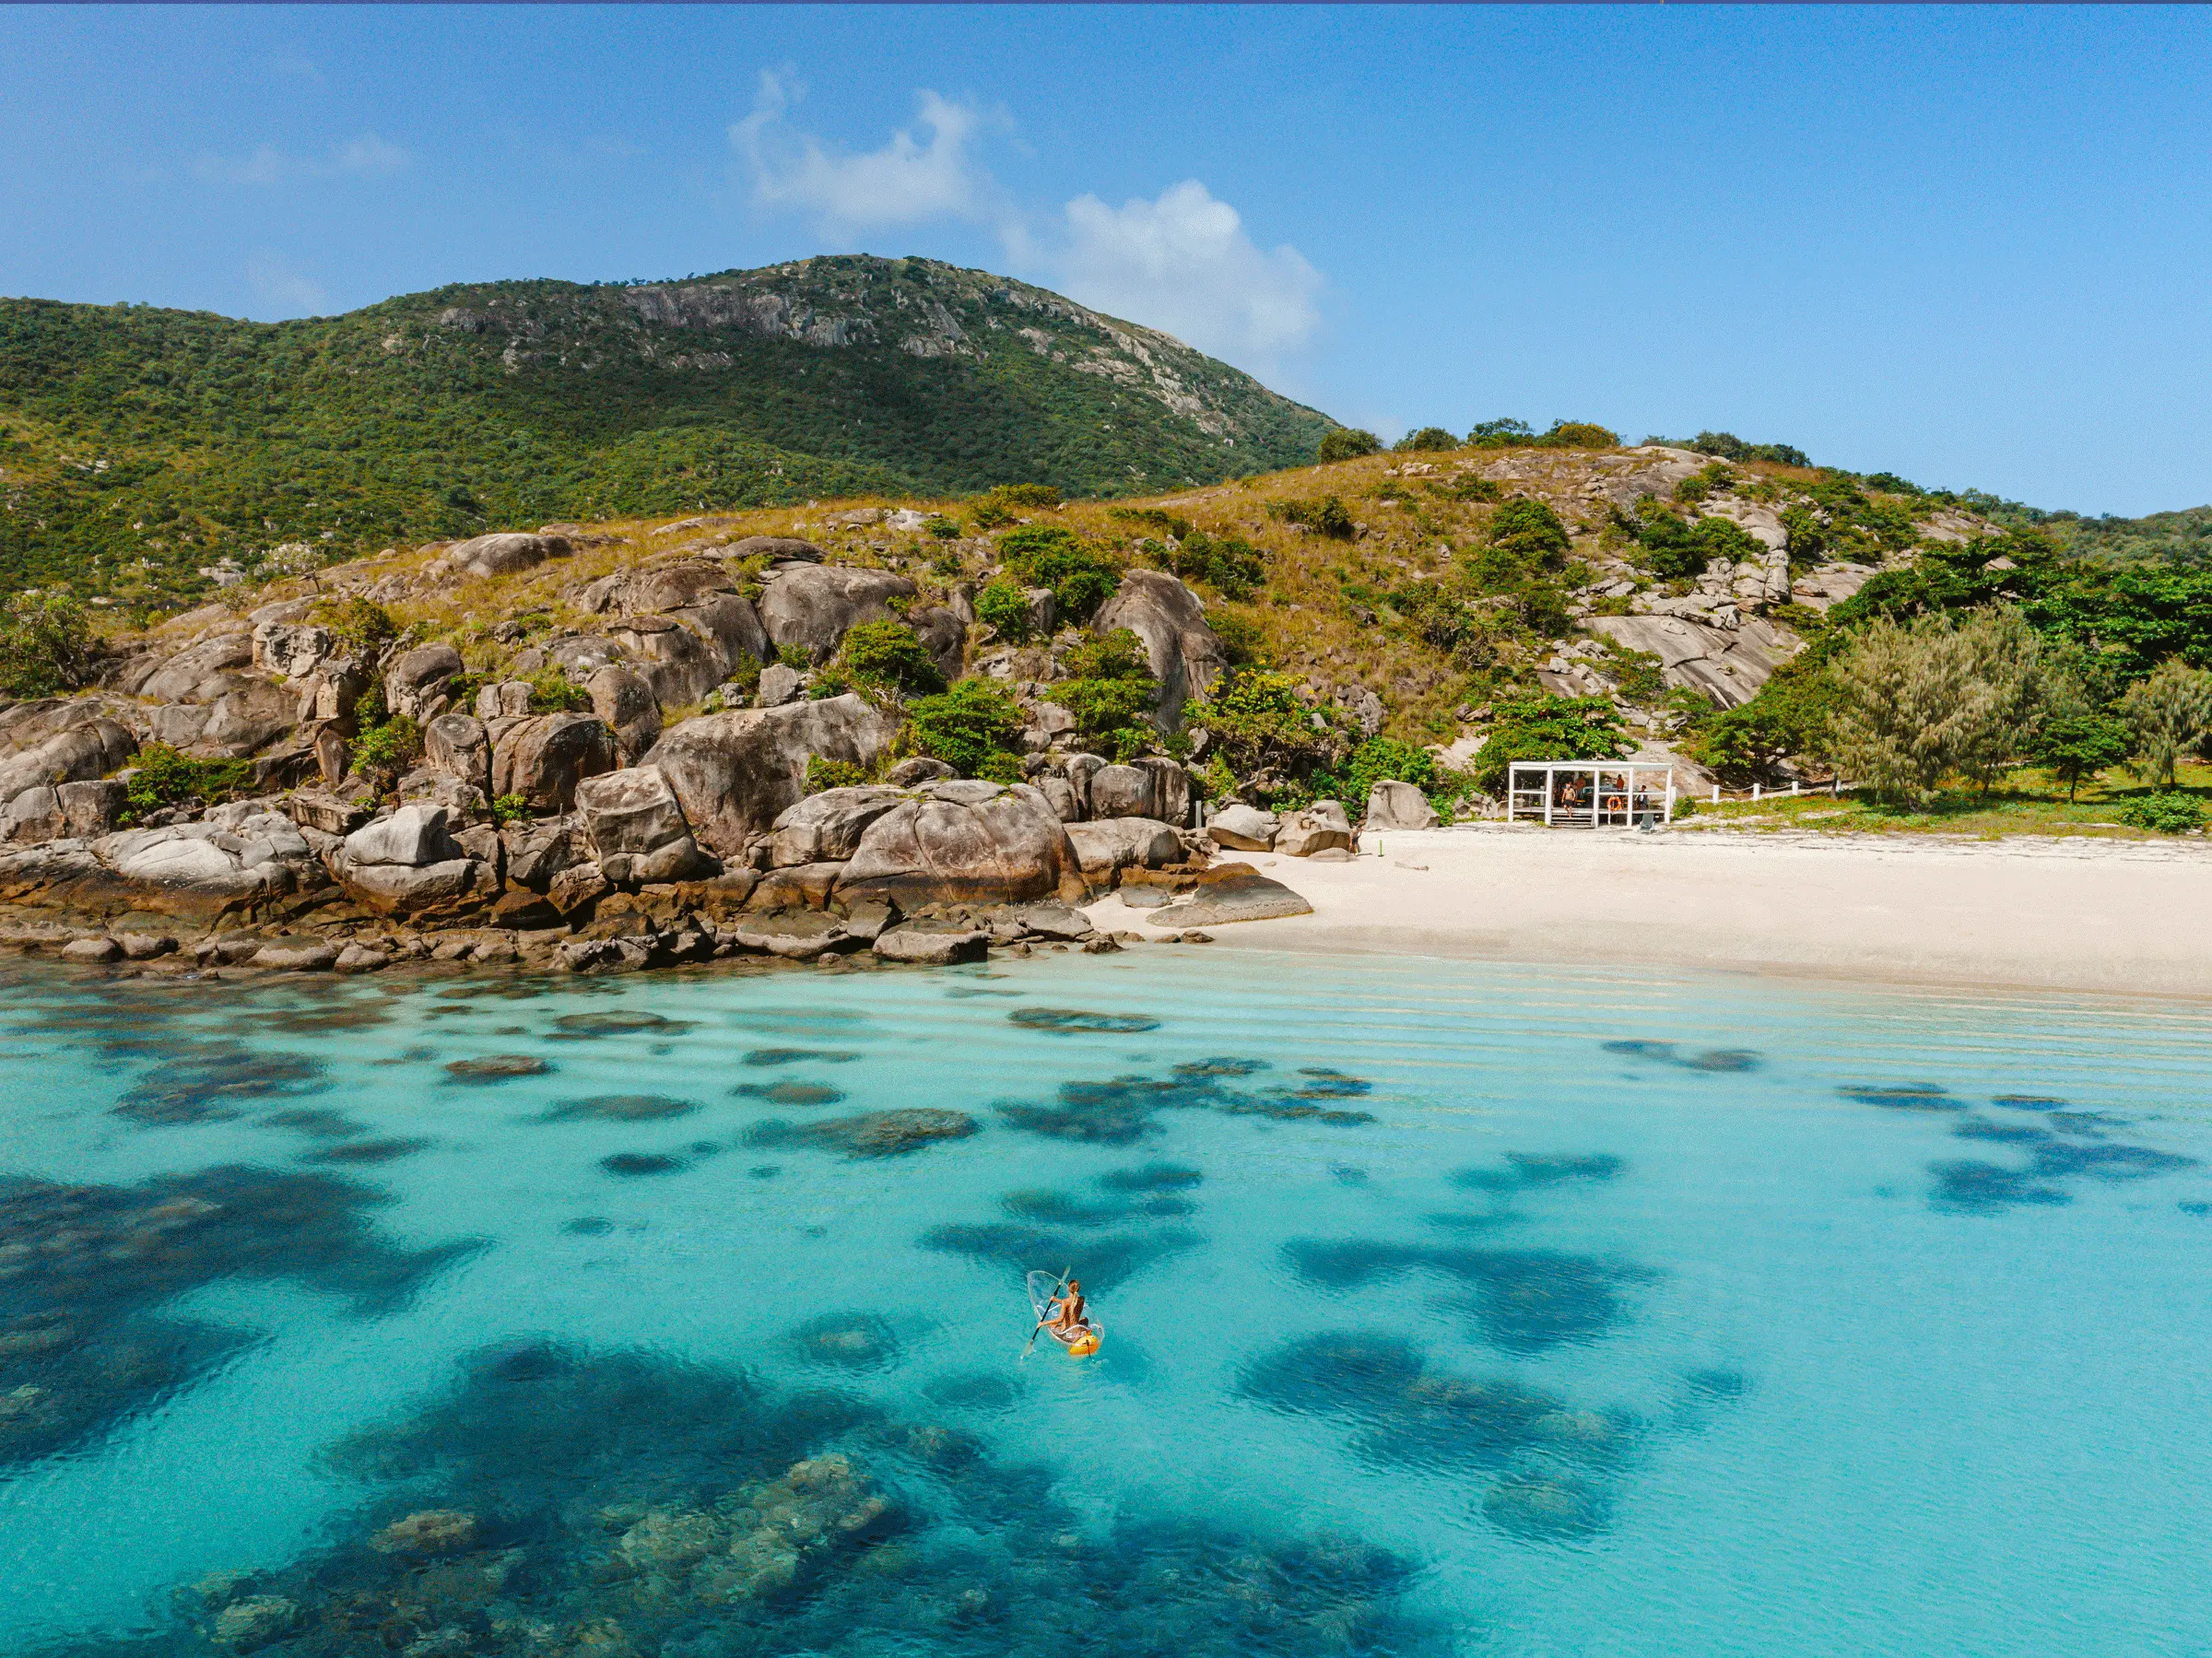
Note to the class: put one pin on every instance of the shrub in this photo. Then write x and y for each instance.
(2169, 813)
(1699, 485)
(823, 773)
(1579, 434)
(1000, 766)
(1025, 495)
(1677, 549)
(1243, 644)
(1639, 676)
(510, 808)
(1548, 728)
(1348, 443)
(161, 776)
(1500, 434)
(367, 627)
(1230, 564)
(1049, 556)
(2075, 742)
(1428, 437)
(988, 515)
(1730, 447)
(387, 749)
(1255, 719)
(942, 527)
(553, 692)
(1112, 693)
(1527, 529)
(1328, 516)
(1005, 607)
(964, 725)
(796, 657)
(828, 682)
(889, 656)
(1381, 758)
(45, 645)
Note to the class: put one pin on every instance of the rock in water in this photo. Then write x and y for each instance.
(1234, 892)
(1397, 805)
(933, 946)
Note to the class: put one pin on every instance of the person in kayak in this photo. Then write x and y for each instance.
(1070, 1313)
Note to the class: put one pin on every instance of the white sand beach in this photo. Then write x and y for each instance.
(2111, 917)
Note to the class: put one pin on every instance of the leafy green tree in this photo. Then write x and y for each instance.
(1527, 530)
(1500, 434)
(162, 776)
(46, 645)
(1256, 721)
(2167, 713)
(365, 628)
(888, 656)
(1579, 434)
(966, 727)
(2077, 742)
(1548, 728)
(1428, 437)
(1348, 443)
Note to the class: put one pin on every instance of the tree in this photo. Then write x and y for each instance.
(2002, 697)
(1348, 443)
(1428, 437)
(2168, 713)
(45, 645)
(2075, 742)
(1898, 706)
(1257, 719)
(1112, 693)
(889, 657)
(1548, 728)
(1525, 528)
(971, 727)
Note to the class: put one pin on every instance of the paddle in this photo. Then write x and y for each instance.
(1041, 1323)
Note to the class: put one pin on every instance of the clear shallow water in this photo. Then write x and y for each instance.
(1804, 1347)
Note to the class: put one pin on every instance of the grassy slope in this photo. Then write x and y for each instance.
(140, 444)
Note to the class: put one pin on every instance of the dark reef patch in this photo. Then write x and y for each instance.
(871, 1134)
(1196, 1068)
(850, 1341)
(2004, 1133)
(495, 1067)
(1151, 1177)
(368, 1151)
(2028, 1102)
(791, 1091)
(1411, 1413)
(87, 1267)
(205, 1082)
(633, 1163)
(1718, 1060)
(1902, 1096)
(588, 1225)
(977, 1389)
(792, 1056)
(1978, 1188)
(1069, 1021)
(1101, 1262)
(320, 1124)
(1529, 1171)
(614, 1021)
(1523, 1301)
(618, 1107)
(1123, 1109)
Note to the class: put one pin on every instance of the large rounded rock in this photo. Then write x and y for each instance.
(195, 673)
(737, 772)
(73, 754)
(418, 676)
(293, 649)
(457, 745)
(625, 703)
(1322, 827)
(503, 553)
(1397, 805)
(1240, 828)
(412, 836)
(634, 814)
(545, 757)
(1184, 653)
(827, 827)
(1105, 845)
(681, 662)
(813, 606)
(964, 843)
(192, 868)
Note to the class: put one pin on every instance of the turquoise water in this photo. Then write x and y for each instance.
(1447, 1309)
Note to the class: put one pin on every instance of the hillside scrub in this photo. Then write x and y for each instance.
(1080, 577)
(1548, 728)
(46, 645)
(1111, 693)
(886, 658)
(1348, 443)
(2167, 712)
(973, 727)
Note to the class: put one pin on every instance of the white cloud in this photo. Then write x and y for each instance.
(365, 157)
(1184, 264)
(284, 289)
(905, 182)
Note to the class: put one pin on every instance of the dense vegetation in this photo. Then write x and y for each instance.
(139, 446)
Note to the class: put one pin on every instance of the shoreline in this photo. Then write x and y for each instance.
(2057, 913)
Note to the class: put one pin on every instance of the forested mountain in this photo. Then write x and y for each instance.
(138, 445)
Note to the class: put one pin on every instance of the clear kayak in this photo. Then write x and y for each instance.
(1081, 1341)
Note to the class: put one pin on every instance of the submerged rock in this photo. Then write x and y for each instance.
(871, 1134)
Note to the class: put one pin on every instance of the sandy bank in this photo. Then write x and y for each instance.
(2110, 917)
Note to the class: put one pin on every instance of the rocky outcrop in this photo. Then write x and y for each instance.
(637, 828)
(813, 606)
(827, 827)
(212, 867)
(626, 705)
(76, 752)
(1184, 653)
(458, 745)
(410, 864)
(295, 650)
(1397, 805)
(499, 554)
(543, 758)
(1240, 828)
(1152, 787)
(417, 678)
(84, 810)
(1728, 664)
(1322, 827)
(1105, 846)
(964, 843)
(736, 773)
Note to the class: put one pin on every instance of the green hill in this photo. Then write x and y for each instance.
(138, 445)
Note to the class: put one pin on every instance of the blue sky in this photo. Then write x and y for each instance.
(1970, 245)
